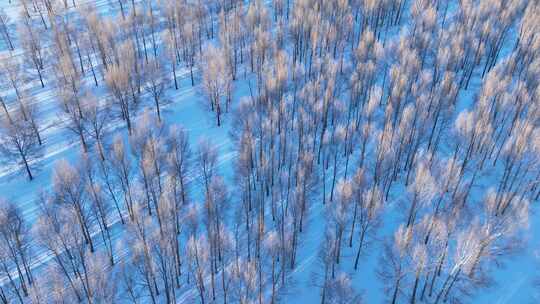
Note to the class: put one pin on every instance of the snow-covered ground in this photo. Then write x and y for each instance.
(187, 108)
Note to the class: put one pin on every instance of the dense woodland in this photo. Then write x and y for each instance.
(413, 126)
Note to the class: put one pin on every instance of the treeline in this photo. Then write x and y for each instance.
(425, 113)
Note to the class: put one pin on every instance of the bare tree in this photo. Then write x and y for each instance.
(69, 191)
(171, 50)
(197, 253)
(99, 207)
(423, 190)
(147, 146)
(15, 238)
(103, 280)
(155, 83)
(180, 162)
(339, 214)
(121, 81)
(141, 230)
(75, 117)
(217, 81)
(31, 40)
(4, 29)
(97, 118)
(341, 290)
(122, 168)
(369, 203)
(12, 75)
(394, 267)
(58, 231)
(19, 144)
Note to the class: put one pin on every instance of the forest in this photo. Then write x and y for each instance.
(269, 151)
